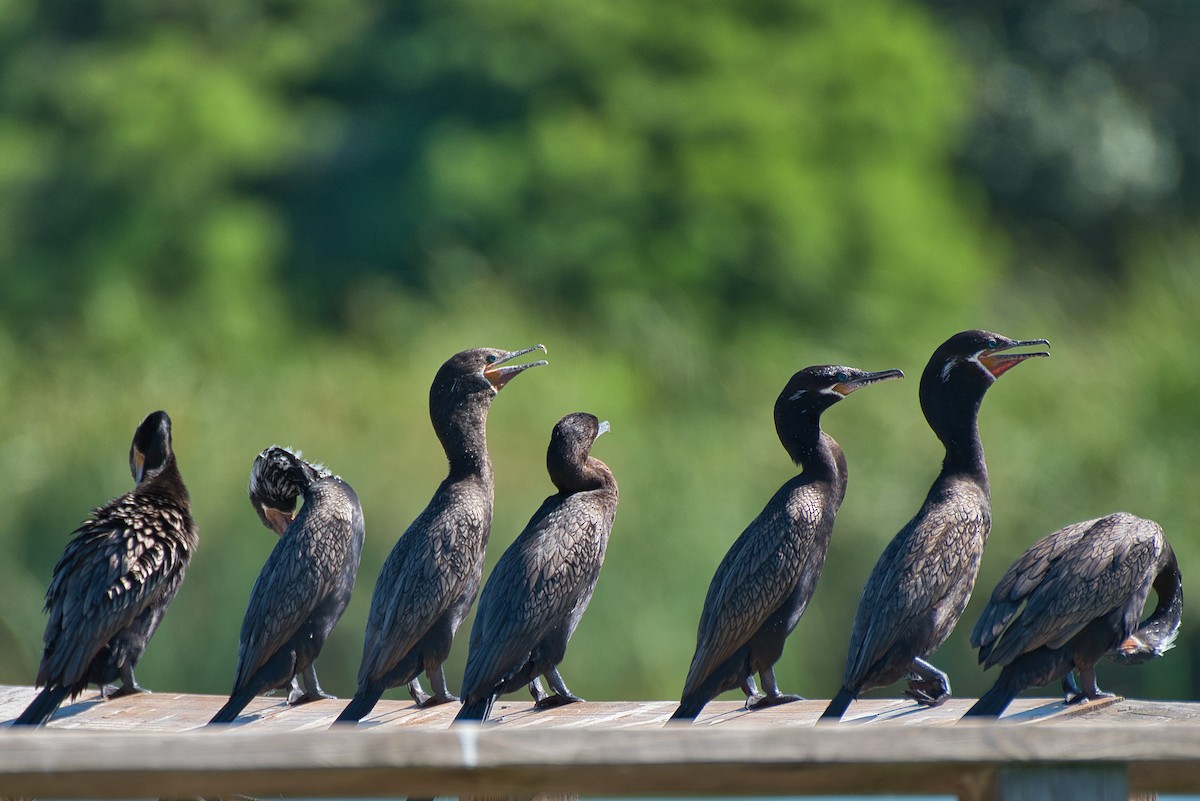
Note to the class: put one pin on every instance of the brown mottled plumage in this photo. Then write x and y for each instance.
(764, 583)
(1079, 592)
(432, 575)
(920, 586)
(115, 579)
(306, 583)
(543, 582)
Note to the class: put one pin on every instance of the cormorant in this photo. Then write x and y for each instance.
(432, 575)
(1082, 589)
(541, 586)
(919, 587)
(306, 582)
(115, 579)
(765, 581)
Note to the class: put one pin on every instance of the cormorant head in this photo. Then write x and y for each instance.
(977, 358)
(570, 444)
(151, 447)
(478, 373)
(813, 390)
(959, 373)
(277, 479)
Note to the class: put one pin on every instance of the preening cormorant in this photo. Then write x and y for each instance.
(115, 579)
(1079, 593)
(541, 586)
(306, 582)
(919, 587)
(432, 575)
(768, 576)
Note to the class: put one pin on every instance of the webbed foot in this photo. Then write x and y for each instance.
(554, 699)
(436, 699)
(1083, 698)
(927, 692)
(764, 701)
(110, 691)
(297, 697)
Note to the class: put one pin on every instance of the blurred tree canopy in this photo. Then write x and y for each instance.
(275, 219)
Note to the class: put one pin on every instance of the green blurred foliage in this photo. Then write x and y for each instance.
(276, 219)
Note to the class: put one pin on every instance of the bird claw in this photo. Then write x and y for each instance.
(764, 701)
(297, 697)
(929, 693)
(111, 691)
(434, 700)
(1083, 698)
(554, 699)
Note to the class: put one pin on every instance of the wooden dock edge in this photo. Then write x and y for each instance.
(972, 761)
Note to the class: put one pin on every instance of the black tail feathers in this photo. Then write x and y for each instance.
(993, 702)
(689, 708)
(43, 707)
(233, 707)
(479, 709)
(360, 705)
(838, 706)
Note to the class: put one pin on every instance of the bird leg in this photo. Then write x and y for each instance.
(312, 688)
(927, 685)
(772, 696)
(535, 689)
(751, 690)
(441, 693)
(419, 696)
(561, 697)
(1069, 687)
(1091, 691)
(129, 685)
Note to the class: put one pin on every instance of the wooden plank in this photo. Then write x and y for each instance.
(504, 761)
(608, 748)
(167, 712)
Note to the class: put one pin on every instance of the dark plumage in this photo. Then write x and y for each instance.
(1079, 592)
(306, 582)
(432, 575)
(765, 581)
(541, 586)
(115, 579)
(919, 587)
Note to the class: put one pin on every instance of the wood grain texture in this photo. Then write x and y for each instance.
(152, 746)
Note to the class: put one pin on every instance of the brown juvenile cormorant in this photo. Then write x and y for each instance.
(432, 575)
(541, 586)
(919, 587)
(1082, 589)
(306, 582)
(115, 579)
(766, 579)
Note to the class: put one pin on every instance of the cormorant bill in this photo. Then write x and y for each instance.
(919, 587)
(765, 581)
(304, 586)
(1079, 592)
(432, 575)
(542, 584)
(115, 579)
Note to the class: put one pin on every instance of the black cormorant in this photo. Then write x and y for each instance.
(766, 579)
(115, 579)
(540, 588)
(1079, 592)
(306, 582)
(432, 575)
(919, 587)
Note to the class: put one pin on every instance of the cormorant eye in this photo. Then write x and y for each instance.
(842, 377)
(992, 344)
(491, 359)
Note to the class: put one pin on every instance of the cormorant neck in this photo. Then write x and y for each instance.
(954, 418)
(817, 454)
(462, 430)
(571, 476)
(168, 479)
